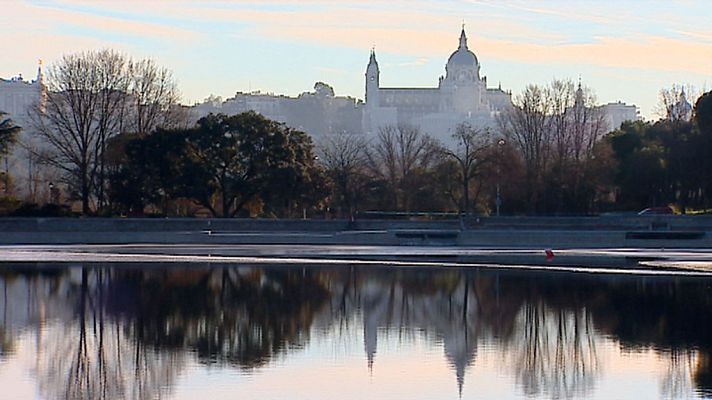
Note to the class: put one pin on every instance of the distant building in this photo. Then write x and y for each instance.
(681, 110)
(461, 96)
(318, 113)
(613, 114)
(617, 113)
(17, 95)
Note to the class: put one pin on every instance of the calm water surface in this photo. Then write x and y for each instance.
(185, 332)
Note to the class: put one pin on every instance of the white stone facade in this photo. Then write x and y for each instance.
(17, 95)
(317, 113)
(461, 96)
(617, 113)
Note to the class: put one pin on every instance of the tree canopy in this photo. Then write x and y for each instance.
(223, 163)
(8, 132)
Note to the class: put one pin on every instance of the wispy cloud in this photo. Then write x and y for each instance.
(415, 63)
(229, 36)
(705, 36)
(647, 53)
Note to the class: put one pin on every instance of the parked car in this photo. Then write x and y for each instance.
(657, 211)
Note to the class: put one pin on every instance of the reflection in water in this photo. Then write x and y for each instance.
(130, 332)
(555, 351)
(93, 357)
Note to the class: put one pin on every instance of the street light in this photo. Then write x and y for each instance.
(498, 200)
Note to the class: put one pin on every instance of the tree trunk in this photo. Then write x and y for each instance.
(466, 194)
(85, 190)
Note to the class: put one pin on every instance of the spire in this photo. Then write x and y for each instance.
(372, 60)
(40, 75)
(463, 38)
(579, 98)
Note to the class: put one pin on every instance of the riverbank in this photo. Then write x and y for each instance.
(616, 261)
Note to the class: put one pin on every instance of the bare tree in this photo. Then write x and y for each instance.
(587, 125)
(470, 154)
(560, 96)
(153, 98)
(555, 129)
(675, 103)
(526, 126)
(343, 156)
(395, 157)
(70, 120)
(113, 82)
(90, 98)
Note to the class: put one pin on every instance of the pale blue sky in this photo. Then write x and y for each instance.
(624, 50)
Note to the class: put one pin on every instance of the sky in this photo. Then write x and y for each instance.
(624, 50)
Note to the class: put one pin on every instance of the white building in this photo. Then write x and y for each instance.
(317, 113)
(461, 96)
(17, 95)
(617, 113)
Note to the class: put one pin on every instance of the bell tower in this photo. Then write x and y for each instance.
(372, 81)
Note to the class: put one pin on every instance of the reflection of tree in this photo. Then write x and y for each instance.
(556, 352)
(91, 357)
(6, 344)
(676, 382)
(703, 373)
(240, 317)
(31, 281)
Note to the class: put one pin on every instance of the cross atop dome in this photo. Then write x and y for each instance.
(463, 38)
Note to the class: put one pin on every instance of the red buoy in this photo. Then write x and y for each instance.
(549, 254)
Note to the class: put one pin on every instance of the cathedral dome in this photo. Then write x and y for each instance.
(462, 66)
(462, 57)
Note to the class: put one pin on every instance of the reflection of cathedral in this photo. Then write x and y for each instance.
(453, 318)
(461, 96)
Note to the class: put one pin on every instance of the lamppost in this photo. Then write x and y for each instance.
(53, 194)
(498, 200)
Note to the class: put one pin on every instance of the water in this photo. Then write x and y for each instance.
(220, 331)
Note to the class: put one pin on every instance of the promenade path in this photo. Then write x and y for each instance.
(640, 261)
(624, 242)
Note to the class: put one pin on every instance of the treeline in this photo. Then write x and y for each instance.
(110, 130)
(666, 162)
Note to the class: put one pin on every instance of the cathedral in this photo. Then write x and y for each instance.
(461, 96)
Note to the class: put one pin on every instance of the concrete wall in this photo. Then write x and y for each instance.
(487, 232)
